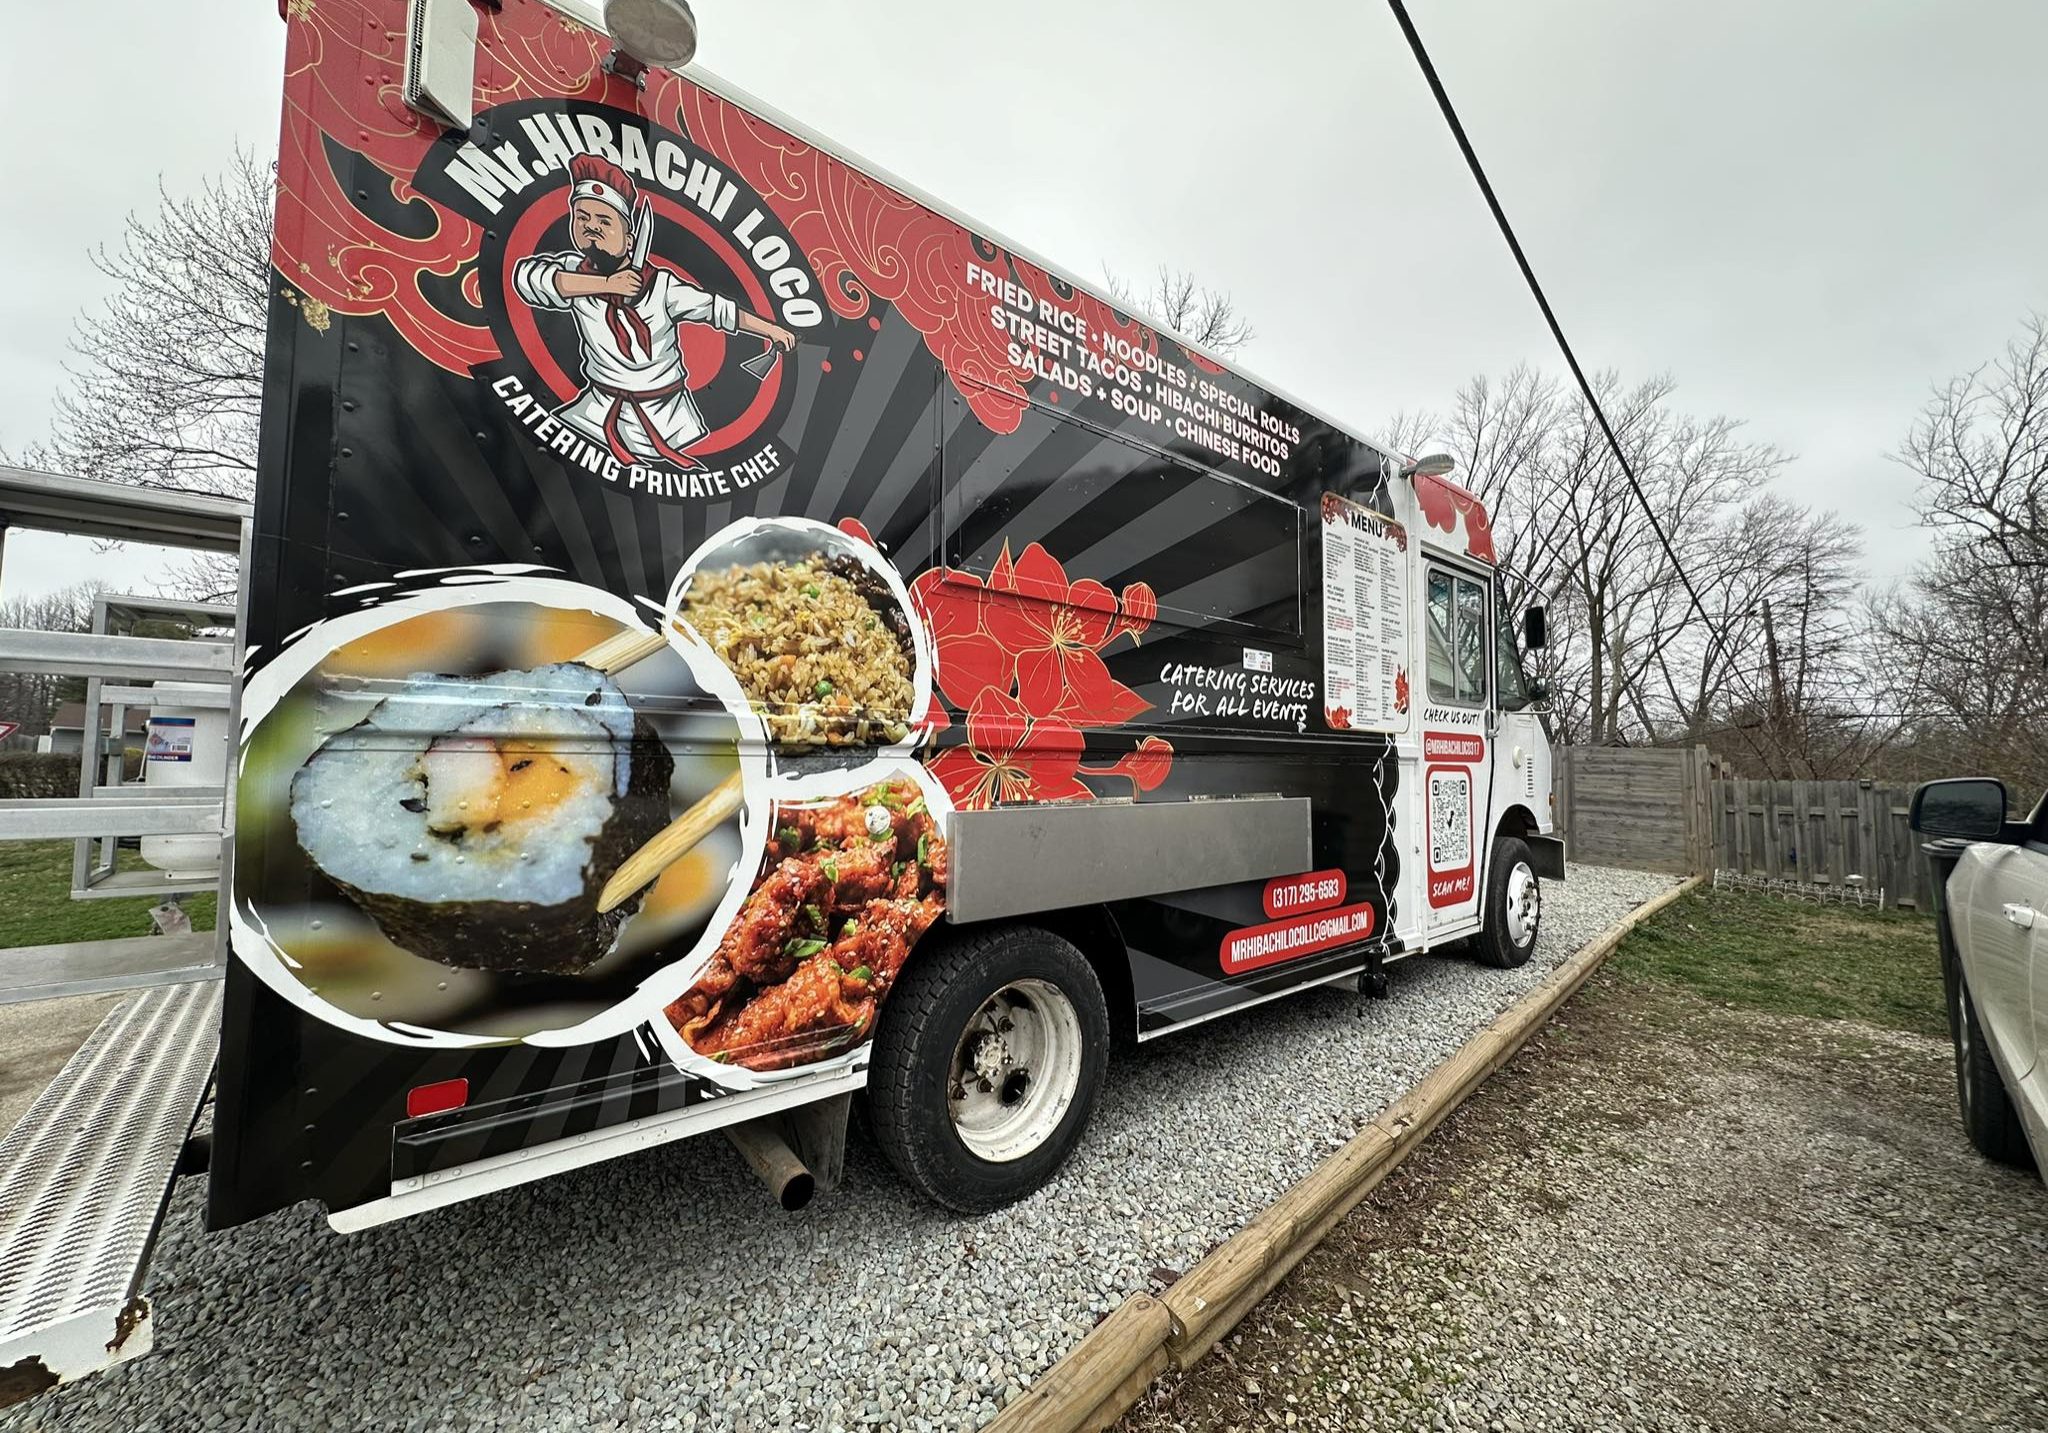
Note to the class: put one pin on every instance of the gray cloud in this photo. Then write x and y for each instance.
(1807, 212)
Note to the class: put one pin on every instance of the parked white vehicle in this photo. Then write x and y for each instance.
(1992, 908)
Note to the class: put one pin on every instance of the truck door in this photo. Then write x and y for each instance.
(1996, 902)
(1520, 749)
(1457, 725)
(2022, 903)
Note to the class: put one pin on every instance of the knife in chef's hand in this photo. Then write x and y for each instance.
(643, 233)
(762, 364)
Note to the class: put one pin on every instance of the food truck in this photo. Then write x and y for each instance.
(725, 632)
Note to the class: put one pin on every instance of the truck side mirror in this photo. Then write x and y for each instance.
(1535, 629)
(1968, 808)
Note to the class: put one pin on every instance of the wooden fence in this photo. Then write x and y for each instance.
(1669, 809)
(1642, 807)
(1823, 832)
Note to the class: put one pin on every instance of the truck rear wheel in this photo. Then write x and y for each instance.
(1513, 909)
(987, 1064)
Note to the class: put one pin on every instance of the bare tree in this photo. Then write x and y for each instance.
(1182, 303)
(1957, 656)
(167, 376)
(30, 697)
(1981, 448)
(1570, 530)
(1962, 651)
(1784, 690)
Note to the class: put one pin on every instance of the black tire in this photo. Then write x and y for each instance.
(1989, 1119)
(1495, 946)
(939, 995)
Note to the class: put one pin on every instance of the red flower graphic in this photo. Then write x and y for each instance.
(965, 656)
(1021, 654)
(1141, 607)
(1147, 767)
(1339, 718)
(1443, 502)
(1400, 689)
(1011, 756)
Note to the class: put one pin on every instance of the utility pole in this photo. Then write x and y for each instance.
(1777, 723)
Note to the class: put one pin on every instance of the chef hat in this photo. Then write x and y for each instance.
(592, 177)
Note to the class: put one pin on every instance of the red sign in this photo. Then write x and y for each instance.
(1465, 747)
(8, 728)
(1451, 890)
(1292, 895)
(1453, 868)
(1261, 945)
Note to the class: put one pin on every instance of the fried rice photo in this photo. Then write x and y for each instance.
(820, 646)
(846, 888)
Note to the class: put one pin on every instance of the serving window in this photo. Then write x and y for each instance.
(1218, 554)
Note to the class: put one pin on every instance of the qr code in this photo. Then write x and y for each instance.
(1450, 820)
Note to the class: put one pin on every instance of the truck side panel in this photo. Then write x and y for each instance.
(627, 462)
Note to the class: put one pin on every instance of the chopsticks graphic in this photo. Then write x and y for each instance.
(622, 649)
(673, 842)
(682, 835)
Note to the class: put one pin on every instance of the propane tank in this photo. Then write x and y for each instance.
(187, 746)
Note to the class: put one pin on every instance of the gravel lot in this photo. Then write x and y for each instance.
(665, 1291)
(1665, 1214)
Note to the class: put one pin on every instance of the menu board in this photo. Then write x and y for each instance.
(1365, 618)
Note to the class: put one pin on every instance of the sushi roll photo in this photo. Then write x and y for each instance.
(475, 820)
(450, 805)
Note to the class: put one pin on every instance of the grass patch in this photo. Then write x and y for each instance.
(1788, 958)
(36, 906)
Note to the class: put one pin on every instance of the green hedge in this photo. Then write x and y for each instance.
(33, 774)
(28, 773)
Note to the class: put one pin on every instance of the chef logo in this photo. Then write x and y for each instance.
(648, 307)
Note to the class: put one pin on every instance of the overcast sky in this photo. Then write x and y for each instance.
(1806, 212)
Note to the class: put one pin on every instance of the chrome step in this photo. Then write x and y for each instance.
(83, 1183)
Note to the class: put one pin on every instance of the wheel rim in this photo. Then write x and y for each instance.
(1524, 911)
(1015, 1071)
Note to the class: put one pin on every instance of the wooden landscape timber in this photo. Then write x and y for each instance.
(1103, 1375)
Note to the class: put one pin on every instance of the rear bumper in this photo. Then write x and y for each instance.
(441, 1185)
(1546, 854)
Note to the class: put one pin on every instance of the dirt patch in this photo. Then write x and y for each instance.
(23, 1380)
(1665, 1213)
(36, 1038)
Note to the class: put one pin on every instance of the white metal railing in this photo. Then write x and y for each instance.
(120, 672)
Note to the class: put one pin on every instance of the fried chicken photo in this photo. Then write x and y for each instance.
(846, 888)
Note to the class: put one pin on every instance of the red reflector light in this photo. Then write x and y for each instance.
(437, 1098)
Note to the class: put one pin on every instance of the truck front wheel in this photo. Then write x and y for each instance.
(1514, 906)
(987, 1064)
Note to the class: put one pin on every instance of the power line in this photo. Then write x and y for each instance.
(1443, 101)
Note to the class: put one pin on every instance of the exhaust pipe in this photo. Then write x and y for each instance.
(768, 1154)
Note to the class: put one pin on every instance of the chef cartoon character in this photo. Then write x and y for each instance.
(636, 398)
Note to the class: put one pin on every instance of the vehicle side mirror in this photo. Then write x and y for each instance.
(1535, 629)
(1968, 808)
(1539, 691)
